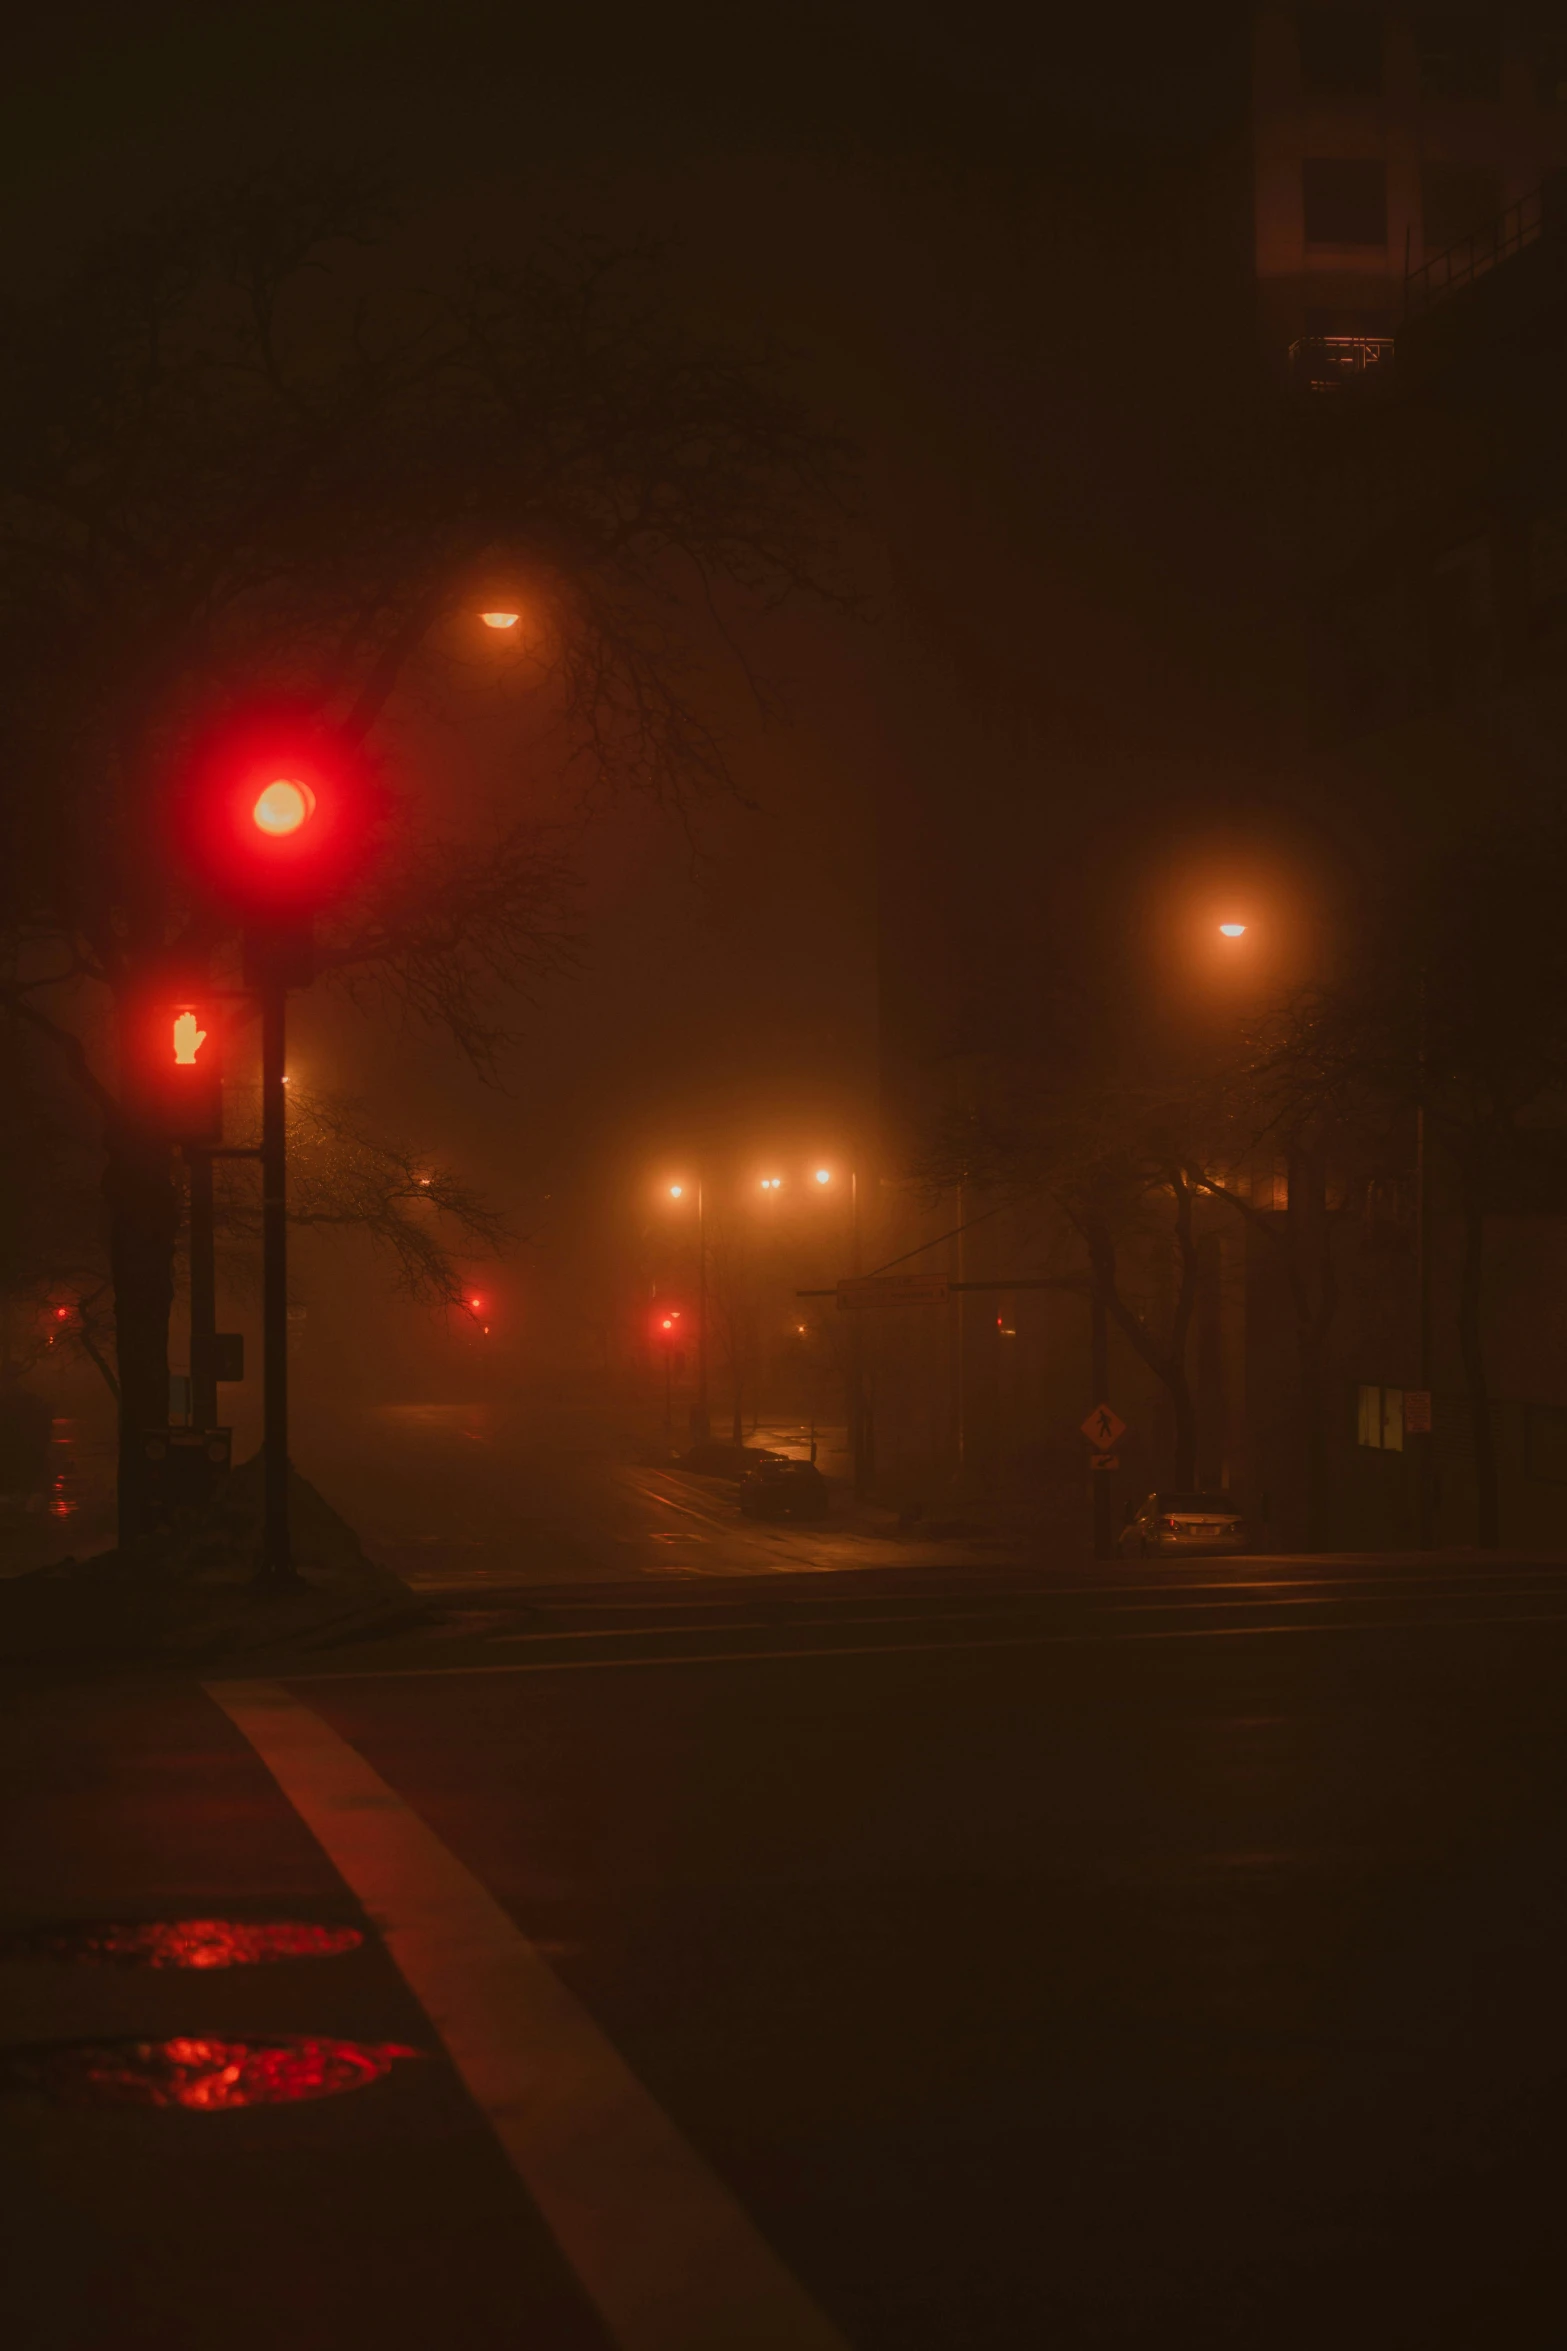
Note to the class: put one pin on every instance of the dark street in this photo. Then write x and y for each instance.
(1015, 1943)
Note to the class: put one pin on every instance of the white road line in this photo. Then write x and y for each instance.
(661, 2247)
(1213, 1632)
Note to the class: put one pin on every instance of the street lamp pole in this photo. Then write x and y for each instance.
(859, 1449)
(701, 1424)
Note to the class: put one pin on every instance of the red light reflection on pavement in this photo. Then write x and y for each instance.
(186, 1942)
(205, 2076)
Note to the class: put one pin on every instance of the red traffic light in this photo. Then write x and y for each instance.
(283, 806)
(278, 816)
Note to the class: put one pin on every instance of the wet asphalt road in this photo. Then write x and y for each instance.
(1038, 1953)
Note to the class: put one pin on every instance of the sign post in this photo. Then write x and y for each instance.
(1103, 1428)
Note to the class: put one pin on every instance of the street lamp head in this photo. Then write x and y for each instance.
(824, 1175)
(677, 1191)
(1232, 930)
(500, 620)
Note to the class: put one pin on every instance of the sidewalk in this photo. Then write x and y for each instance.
(383, 2216)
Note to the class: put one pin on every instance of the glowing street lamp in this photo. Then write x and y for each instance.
(500, 620)
(1232, 930)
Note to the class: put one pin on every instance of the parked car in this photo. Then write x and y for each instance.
(715, 1458)
(1174, 1525)
(781, 1488)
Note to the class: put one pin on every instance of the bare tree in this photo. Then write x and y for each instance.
(1121, 1163)
(244, 456)
(426, 1220)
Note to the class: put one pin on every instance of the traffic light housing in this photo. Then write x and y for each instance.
(178, 1073)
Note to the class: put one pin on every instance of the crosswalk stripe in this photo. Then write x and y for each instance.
(661, 2247)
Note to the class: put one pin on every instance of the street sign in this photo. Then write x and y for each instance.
(1104, 1427)
(1105, 1460)
(1417, 1412)
(894, 1289)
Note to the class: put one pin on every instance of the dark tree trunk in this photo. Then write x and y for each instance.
(1176, 1379)
(1487, 1494)
(1309, 1241)
(1314, 1432)
(1168, 1366)
(143, 1217)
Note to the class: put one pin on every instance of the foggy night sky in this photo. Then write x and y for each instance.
(1006, 252)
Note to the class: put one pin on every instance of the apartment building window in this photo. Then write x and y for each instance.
(1341, 50)
(1460, 52)
(1346, 201)
(1381, 1419)
(1456, 200)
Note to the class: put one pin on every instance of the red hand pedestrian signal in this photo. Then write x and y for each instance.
(189, 1037)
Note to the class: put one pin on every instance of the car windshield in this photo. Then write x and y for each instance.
(1203, 1502)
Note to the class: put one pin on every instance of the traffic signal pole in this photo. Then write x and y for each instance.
(203, 1292)
(277, 1556)
(701, 1422)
